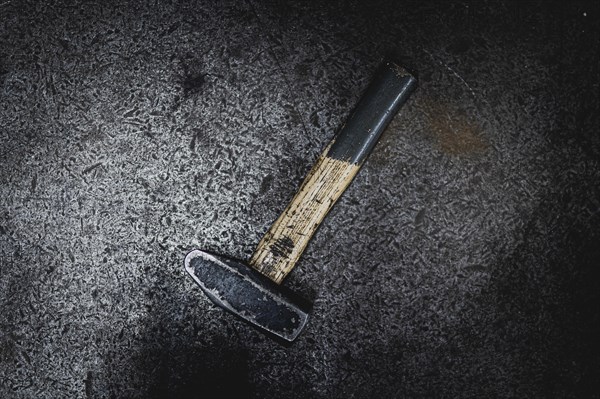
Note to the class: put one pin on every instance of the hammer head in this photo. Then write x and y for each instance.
(241, 290)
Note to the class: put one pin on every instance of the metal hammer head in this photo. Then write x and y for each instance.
(246, 293)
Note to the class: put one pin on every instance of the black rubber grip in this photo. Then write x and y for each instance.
(388, 91)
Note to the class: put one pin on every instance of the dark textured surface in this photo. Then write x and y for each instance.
(462, 262)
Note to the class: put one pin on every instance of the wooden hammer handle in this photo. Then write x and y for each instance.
(282, 245)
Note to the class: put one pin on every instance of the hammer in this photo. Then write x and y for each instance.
(252, 291)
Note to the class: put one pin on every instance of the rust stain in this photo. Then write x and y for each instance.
(454, 132)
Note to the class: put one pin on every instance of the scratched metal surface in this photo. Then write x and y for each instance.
(462, 262)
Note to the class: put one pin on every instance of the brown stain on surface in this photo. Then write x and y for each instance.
(451, 129)
(454, 131)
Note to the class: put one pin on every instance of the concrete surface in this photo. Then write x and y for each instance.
(462, 262)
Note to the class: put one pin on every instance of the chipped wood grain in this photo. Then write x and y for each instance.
(283, 244)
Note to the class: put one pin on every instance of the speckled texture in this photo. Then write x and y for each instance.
(462, 262)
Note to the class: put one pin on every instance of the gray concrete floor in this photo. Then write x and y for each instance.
(462, 262)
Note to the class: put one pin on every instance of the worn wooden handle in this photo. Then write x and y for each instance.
(281, 247)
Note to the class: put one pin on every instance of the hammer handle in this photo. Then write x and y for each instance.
(282, 246)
